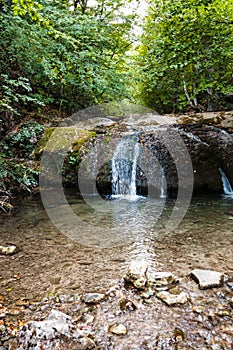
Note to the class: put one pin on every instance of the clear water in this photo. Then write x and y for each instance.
(203, 240)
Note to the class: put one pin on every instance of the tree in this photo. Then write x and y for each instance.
(72, 59)
(186, 55)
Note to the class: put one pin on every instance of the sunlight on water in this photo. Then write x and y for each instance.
(128, 197)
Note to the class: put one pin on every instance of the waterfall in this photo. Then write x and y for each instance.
(124, 168)
(162, 184)
(126, 161)
(226, 183)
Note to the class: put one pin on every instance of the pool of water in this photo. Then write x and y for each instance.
(108, 236)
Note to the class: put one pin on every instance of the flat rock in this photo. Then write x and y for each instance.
(10, 249)
(163, 280)
(57, 331)
(173, 297)
(207, 278)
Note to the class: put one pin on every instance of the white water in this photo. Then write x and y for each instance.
(125, 161)
(124, 169)
(162, 185)
(226, 184)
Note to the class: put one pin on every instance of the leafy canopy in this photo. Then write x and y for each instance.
(186, 55)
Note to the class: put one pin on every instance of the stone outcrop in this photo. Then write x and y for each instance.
(164, 144)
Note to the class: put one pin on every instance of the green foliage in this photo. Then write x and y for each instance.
(71, 60)
(24, 7)
(14, 175)
(15, 94)
(17, 173)
(186, 56)
(27, 138)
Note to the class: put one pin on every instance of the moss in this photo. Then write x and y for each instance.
(83, 138)
(63, 139)
(210, 119)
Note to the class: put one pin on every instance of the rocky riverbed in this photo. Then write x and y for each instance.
(107, 305)
(158, 311)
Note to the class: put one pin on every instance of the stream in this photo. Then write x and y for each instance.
(49, 264)
(203, 240)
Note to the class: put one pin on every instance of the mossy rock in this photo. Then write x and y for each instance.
(69, 139)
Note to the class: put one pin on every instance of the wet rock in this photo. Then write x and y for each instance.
(163, 280)
(224, 312)
(148, 293)
(94, 298)
(178, 333)
(229, 282)
(96, 123)
(173, 297)
(57, 331)
(117, 328)
(55, 280)
(231, 303)
(230, 265)
(127, 305)
(140, 283)
(10, 249)
(207, 145)
(137, 271)
(67, 298)
(207, 278)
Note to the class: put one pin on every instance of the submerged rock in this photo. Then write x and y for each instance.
(207, 278)
(136, 271)
(57, 331)
(117, 328)
(173, 297)
(127, 305)
(8, 249)
(140, 283)
(94, 298)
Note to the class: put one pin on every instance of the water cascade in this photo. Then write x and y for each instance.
(162, 184)
(127, 163)
(124, 168)
(226, 183)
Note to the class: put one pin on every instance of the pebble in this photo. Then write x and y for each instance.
(117, 328)
(127, 305)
